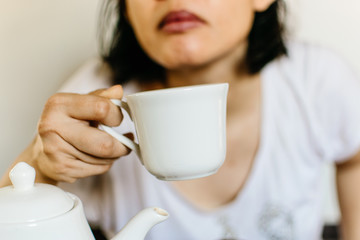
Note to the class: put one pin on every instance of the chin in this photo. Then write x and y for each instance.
(184, 61)
(184, 65)
(182, 53)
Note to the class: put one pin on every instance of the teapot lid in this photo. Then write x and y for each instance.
(26, 201)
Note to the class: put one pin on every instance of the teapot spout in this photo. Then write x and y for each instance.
(138, 226)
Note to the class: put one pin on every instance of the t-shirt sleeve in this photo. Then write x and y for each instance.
(336, 95)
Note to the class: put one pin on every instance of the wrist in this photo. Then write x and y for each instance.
(35, 160)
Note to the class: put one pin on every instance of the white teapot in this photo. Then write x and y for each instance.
(38, 211)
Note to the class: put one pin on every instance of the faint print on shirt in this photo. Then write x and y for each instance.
(228, 232)
(276, 223)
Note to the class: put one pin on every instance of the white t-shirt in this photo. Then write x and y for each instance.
(310, 115)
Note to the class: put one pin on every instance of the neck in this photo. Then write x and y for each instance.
(227, 68)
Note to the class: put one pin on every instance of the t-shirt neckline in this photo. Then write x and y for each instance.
(262, 146)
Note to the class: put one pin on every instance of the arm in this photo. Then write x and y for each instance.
(348, 186)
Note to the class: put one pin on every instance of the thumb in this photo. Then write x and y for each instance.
(115, 92)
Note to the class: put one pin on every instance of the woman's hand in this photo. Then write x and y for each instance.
(68, 145)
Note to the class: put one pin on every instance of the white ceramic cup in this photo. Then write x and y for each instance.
(181, 131)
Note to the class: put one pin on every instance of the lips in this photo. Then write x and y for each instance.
(180, 21)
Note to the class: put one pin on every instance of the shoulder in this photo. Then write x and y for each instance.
(309, 66)
(310, 58)
(298, 51)
(91, 75)
(326, 88)
(94, 74)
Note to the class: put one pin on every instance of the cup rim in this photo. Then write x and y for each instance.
(175, 89)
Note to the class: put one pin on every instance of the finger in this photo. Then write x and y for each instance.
(62, 161)
(115, 92)
(82, 136)
(93, 141)
(84, 157)
(80, 169)
(72, 169)
(90, 159)
(84, 107)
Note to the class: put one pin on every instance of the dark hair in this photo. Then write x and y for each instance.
(128, 61)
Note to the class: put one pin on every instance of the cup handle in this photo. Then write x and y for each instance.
(121, 138)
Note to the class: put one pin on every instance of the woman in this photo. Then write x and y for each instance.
(291, 108)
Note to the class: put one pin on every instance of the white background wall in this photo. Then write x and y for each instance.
(42, 42)
(331, 23)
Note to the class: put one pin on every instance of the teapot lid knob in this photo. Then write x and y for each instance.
(22, 176)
